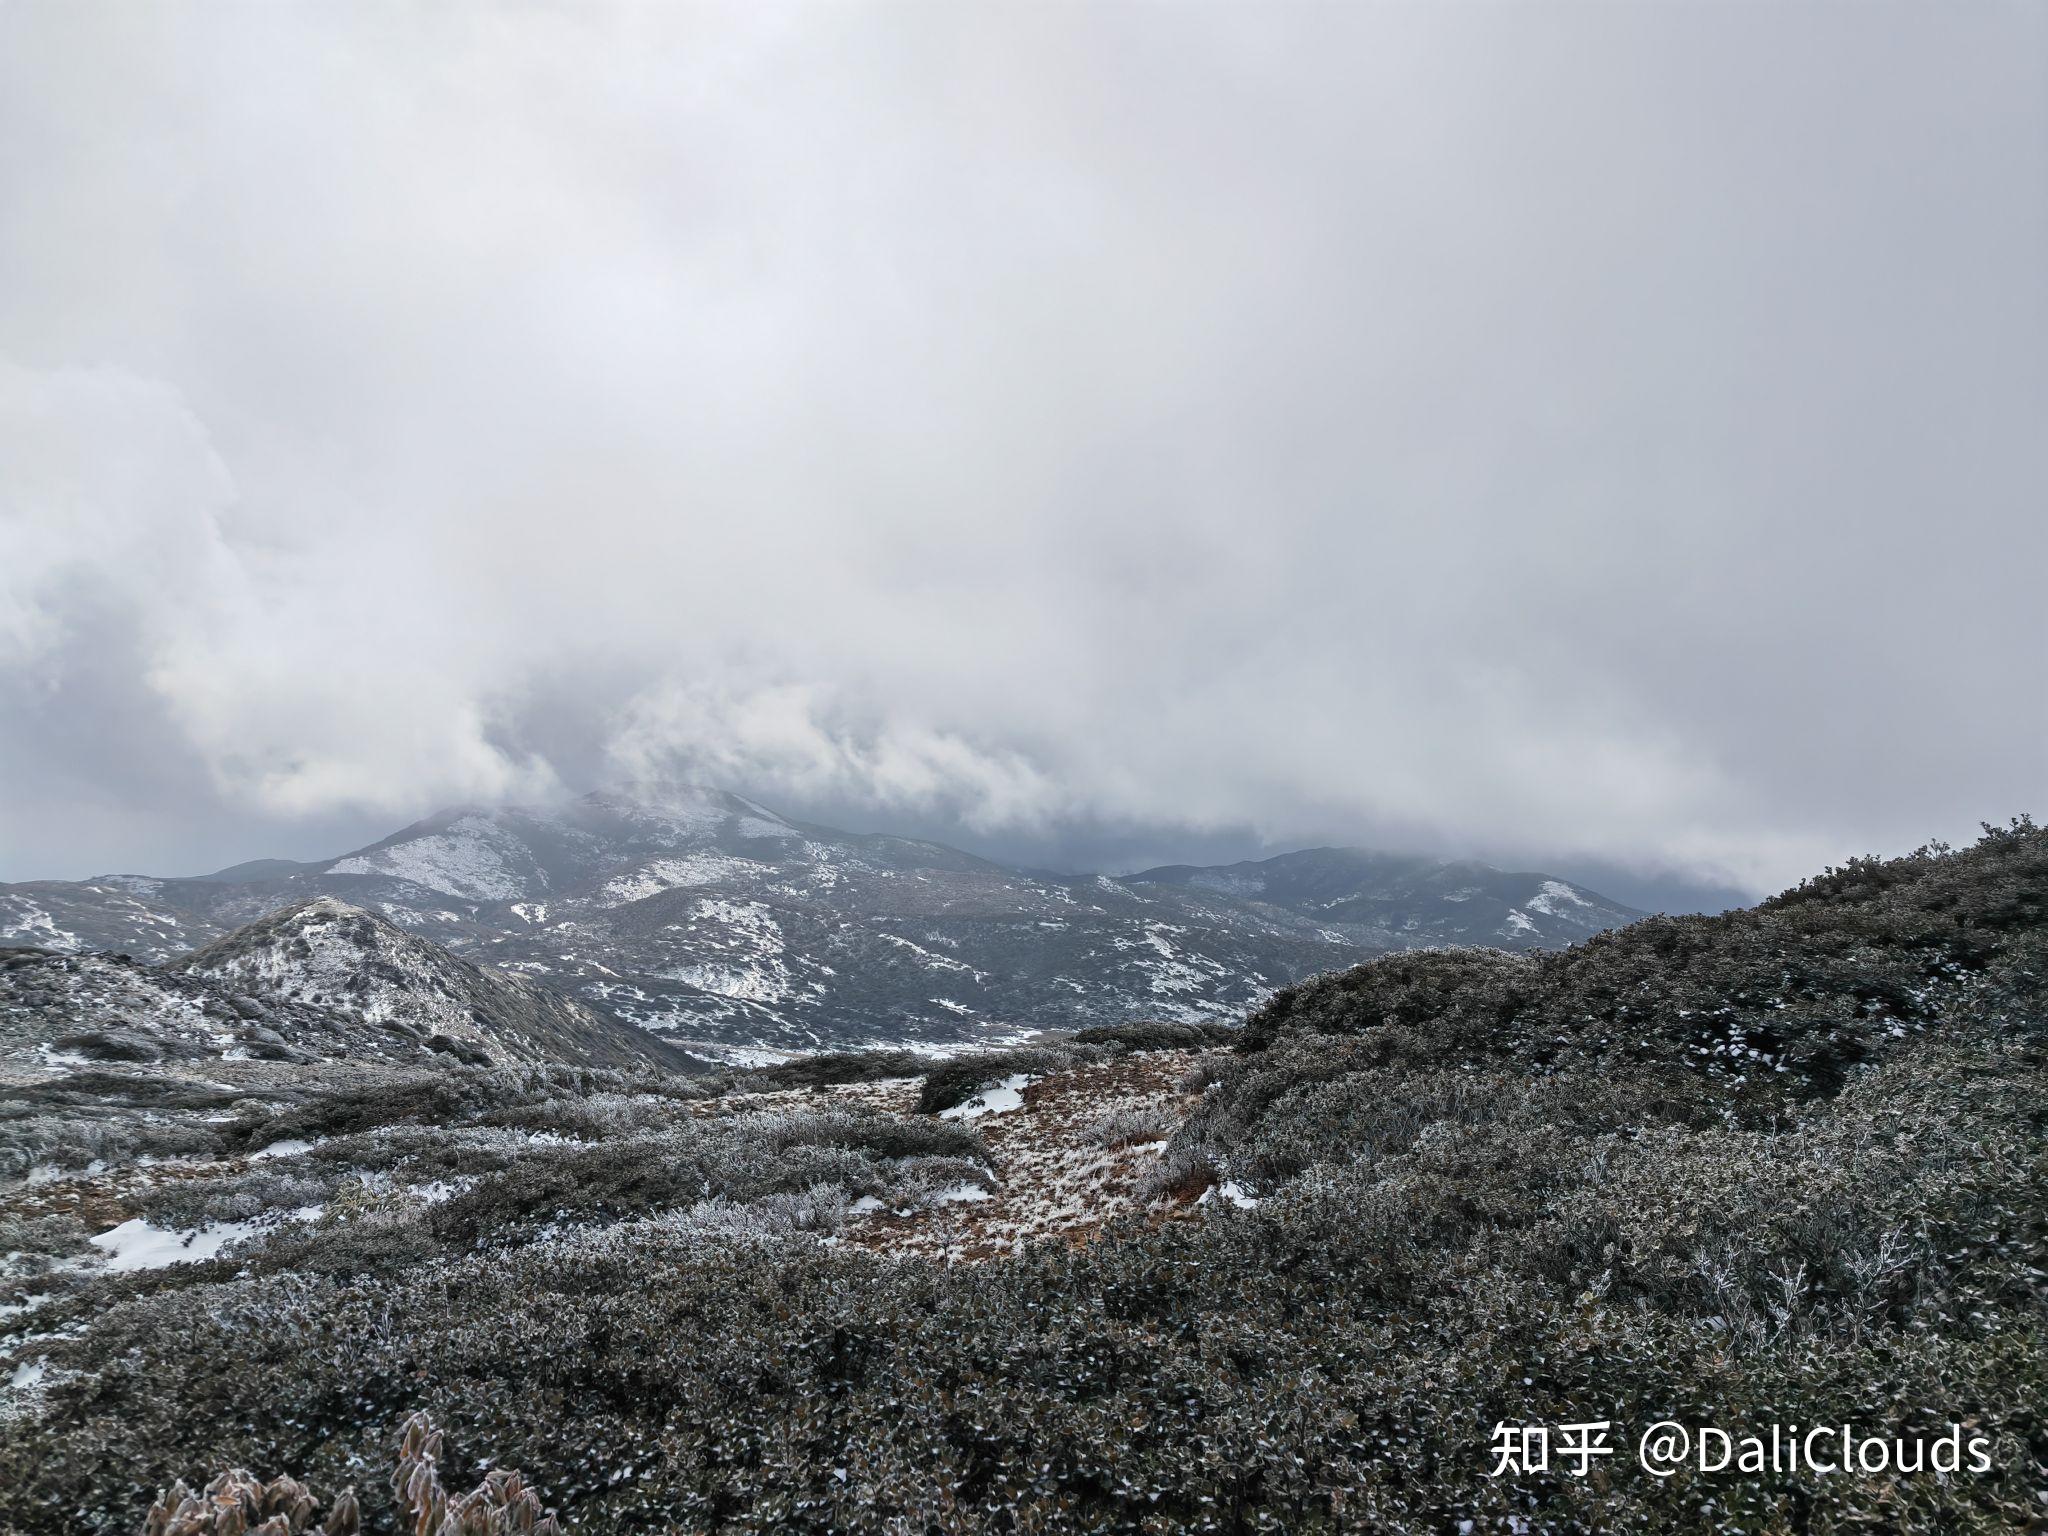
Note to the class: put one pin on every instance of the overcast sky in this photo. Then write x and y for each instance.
(1589, 436)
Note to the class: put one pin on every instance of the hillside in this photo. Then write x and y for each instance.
(330, 955)
(707, 918)
(1781, 1166)
(77, 1009)
(317, 983)
(1385, 900)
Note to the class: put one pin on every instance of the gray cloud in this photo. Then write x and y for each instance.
(1565, 433)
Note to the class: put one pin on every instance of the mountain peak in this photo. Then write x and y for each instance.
(691, 912)
(330, 953)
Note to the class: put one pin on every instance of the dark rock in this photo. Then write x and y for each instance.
(108, 1045)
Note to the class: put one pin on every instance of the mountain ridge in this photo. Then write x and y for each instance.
(328, 954)
(707, 917)
(317, 982)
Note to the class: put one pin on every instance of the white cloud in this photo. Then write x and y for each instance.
(111, 483)
(785, 739)
(1451, 427)
(289, 672)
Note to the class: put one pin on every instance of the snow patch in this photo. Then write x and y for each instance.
(658, 875)
(1001, 1099)
(136, 1244)
(38, 928)
(474, 859)
(286, 1148)
(1553, 892)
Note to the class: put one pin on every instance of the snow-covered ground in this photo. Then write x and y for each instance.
(1001, 1099)
(473, 859)
(139, 1244)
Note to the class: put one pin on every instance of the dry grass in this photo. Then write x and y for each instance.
(1053, 1175)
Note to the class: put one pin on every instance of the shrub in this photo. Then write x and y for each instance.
(828, 1068)
(1155, 1035)
(1787, 1165)
(1128, 1125)
(960, 1078)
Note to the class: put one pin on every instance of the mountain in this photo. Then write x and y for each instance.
(708, 918)
(59, 1010)
(320, 981)
(1388, 899)
(329, 955)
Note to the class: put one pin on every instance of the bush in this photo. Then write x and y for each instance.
(960, 1078)
(830, 1068)
(1154, 1035)
(1130, 1125)
(1784, 1166)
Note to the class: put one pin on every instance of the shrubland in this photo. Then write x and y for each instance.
(1779, 1166)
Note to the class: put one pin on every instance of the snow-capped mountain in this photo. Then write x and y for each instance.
(320, 981)
(329, 955)
(706, 917)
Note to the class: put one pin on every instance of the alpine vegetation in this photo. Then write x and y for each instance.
(1332, 1270)
(237, 1504)
(1010, 769)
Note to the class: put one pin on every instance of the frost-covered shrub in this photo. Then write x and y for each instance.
(455, 1095)
(960, 1078)
(31, 1244)
(878, 1135)
(815, 1212)
(594, 1117)
(1206, 1070)
(1629, 1187)
(1155, 1035)
(828, 1068)
(1128, 1125)
(183, 1204)
(32, 1138)
(919, 1182)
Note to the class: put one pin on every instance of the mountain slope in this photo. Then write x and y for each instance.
(320, 981)
(1779, 1166)
(328, 955)
(706, 917)
(1389, 898)
(65, 1011)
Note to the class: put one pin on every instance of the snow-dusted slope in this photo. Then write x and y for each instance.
(707, 918)
(119, 914)
(329, 955)
(61, 1012)
(1387, 899)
